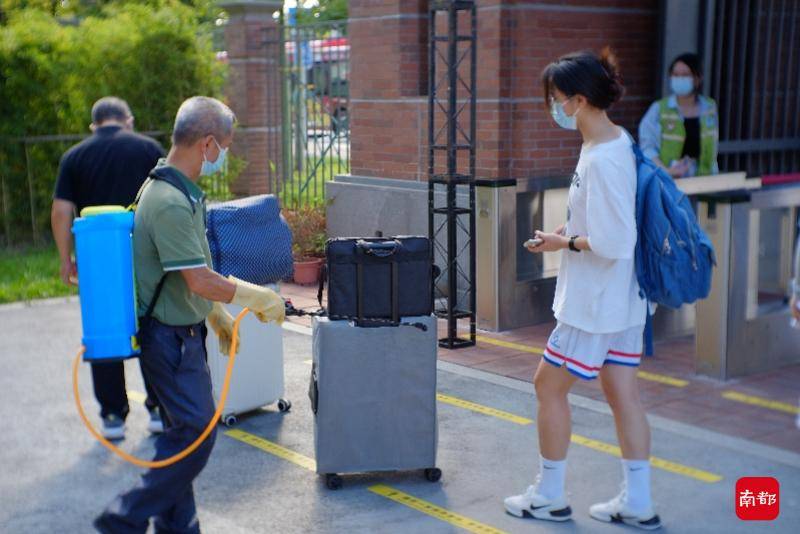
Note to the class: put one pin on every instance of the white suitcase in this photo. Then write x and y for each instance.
(257, 378)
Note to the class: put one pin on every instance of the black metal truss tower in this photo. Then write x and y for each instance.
(451, 163)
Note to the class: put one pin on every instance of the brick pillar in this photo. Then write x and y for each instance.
(252, 39)
(388, 84)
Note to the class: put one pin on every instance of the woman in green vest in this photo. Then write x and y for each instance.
(681, 132)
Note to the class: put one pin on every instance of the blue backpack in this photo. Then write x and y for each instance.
(674, 257)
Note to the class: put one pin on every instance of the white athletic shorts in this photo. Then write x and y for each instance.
(585, 354)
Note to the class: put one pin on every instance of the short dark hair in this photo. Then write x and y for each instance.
(585, 73)
(200, 116)
(692, 61)
(110, 107)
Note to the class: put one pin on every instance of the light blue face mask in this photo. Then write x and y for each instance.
(561, 117)
(209, 167)
(681, 85)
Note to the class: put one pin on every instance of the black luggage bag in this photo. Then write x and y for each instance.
(376, 281)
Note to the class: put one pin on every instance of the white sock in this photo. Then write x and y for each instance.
(552, 474)
(637, 482)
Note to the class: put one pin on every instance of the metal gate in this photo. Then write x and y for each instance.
(752, 52)
(315, 112)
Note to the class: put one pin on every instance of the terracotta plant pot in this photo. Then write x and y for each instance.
(307, 270)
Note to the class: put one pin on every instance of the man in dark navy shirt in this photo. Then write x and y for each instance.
(108, 168)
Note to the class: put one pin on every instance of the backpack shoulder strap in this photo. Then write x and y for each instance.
(171, 180)
(157, 293)
(132, 206)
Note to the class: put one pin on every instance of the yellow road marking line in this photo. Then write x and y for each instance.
(761, 402)
(509, 345)
(663, 379)
(136, 396)
(486, 410)
(273, 448)
(428, 508)
(385, 491)
(644, 375)
(594, 444)
(666, 465)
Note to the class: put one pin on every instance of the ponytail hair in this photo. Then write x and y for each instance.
(585, 73)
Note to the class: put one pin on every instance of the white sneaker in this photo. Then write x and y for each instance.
(113, 427)
(537, 506)
(616, 511)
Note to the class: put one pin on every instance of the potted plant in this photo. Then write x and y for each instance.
(308, 242)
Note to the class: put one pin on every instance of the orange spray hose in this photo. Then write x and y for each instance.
(155, 464)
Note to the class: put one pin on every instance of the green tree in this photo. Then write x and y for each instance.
(51, 73)
(206, 11)
(325, 10)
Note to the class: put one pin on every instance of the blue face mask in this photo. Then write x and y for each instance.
(681, 85)
(209, 167)
(561, 117)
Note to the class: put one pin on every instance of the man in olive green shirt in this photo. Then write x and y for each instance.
(170, 236)
(177, 292)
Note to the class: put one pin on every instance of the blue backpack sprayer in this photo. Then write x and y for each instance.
(104, 255)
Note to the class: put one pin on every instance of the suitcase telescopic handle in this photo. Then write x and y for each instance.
(381, 249)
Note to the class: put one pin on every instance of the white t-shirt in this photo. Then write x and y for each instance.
(597, 290)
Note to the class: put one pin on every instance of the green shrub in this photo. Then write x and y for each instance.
(307, 224)
(52, 72)
(31, 273)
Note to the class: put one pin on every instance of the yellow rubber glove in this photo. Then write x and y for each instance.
(263, 302)
(222, 323)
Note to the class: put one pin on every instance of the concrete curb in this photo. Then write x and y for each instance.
(39, 303)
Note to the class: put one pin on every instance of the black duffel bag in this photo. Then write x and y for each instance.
(376, 281)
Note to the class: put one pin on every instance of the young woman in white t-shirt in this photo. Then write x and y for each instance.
(597, 305)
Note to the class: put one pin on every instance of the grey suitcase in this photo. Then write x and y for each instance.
(373, 392)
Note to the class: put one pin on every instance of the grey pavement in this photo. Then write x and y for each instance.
(55, 478)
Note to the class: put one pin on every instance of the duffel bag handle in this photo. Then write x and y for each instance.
(381, 249)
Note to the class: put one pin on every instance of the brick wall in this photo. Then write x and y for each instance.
(516, 40)
(538, 37)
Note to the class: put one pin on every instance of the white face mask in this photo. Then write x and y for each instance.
(561, 117)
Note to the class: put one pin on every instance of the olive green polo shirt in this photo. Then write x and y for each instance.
(169, 236)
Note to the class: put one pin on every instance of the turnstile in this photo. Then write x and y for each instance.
(743, 327)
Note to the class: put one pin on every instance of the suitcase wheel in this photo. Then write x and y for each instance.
(229, 420)
(284, 405)
(333, 481)
(433, 474)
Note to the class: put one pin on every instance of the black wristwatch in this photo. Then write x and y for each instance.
(572, 246)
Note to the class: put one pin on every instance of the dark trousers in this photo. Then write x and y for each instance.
(174, 362)
(109, 389)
